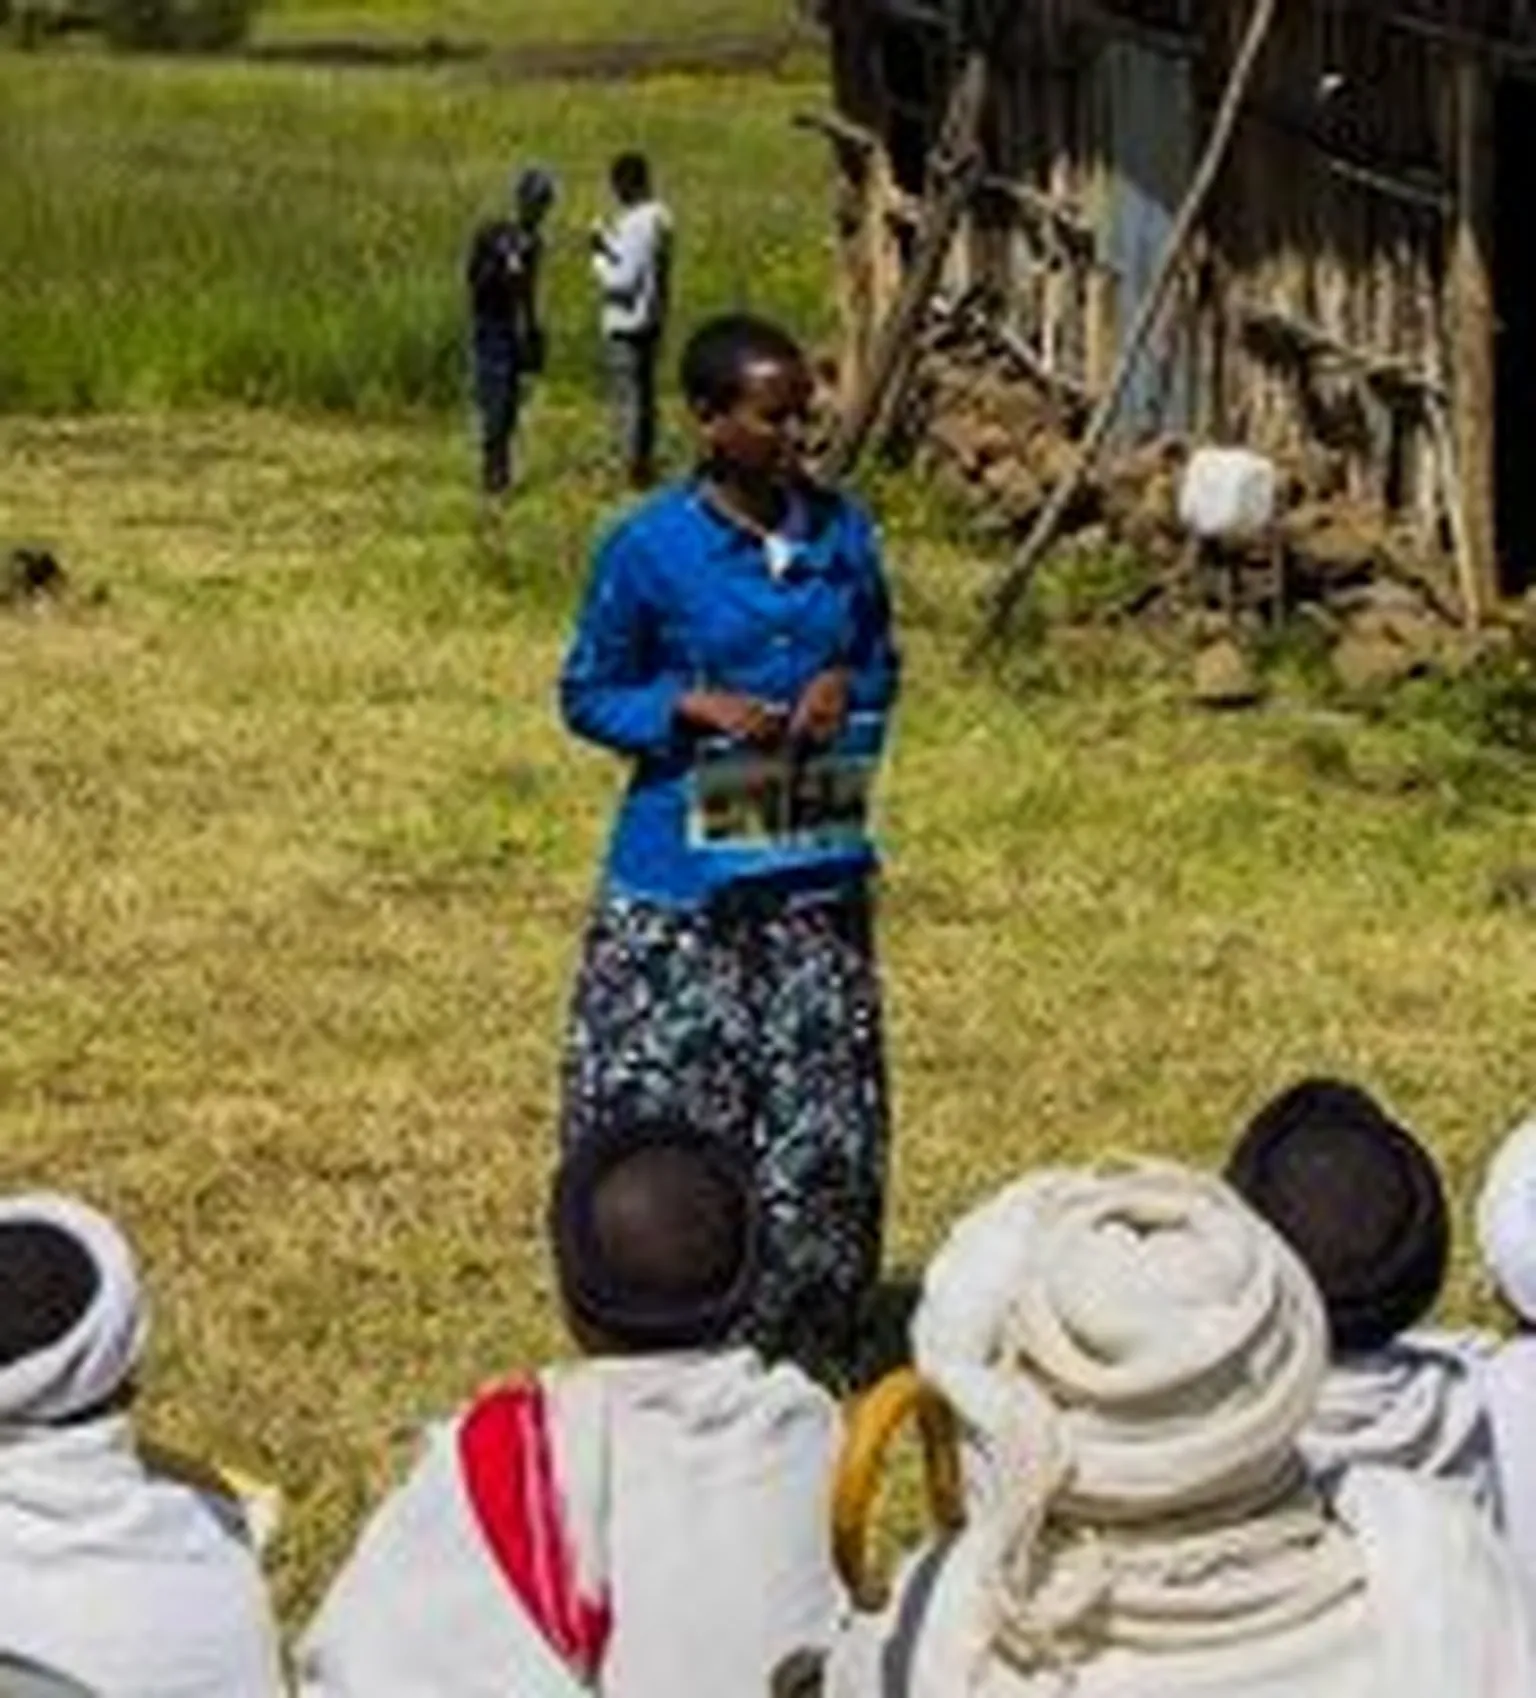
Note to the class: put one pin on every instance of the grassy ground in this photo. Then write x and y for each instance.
(523, 21)
(175, 232)
(297, 858)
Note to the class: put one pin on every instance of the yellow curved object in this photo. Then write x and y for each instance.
(873, 1421)
(260, 1501)
(198, 1471)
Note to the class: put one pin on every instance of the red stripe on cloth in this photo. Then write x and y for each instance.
(507, 1462)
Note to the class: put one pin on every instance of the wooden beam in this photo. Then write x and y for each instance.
(1014, 583)
(1172, 43)
(1392, 185)
(1063, 224)
(1047, 376)
(926, 14)
(841, 131)
(903, 211)
(1383, 177)
(1383, 371)
(1472, 341)
(958, 168)
(1472, 43)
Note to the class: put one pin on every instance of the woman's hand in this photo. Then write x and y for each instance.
(730, 715)
(822, 711)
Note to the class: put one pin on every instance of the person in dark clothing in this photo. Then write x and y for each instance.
(503, 278)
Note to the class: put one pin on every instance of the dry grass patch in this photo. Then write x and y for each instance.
(296, 860)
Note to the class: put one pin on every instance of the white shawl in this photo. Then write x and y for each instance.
(421, 1611)
(1506, 1232)
(696, 1499)
(1420, 1403)
(1511, 1386)
(1132, 1355)
(130, 1585)
(1439, 1615)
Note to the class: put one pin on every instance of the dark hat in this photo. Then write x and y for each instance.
(655, 1232)
(1358, 1198)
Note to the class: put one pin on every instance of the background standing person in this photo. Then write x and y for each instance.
(632, 261)
(503, 277)
(736, 645)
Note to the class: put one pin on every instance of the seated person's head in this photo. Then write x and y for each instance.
(72, 1318)
(1506, 1221)
(749, 387)
(655, 1237)
(1358, 1198)
(630, 178)
(1132, 1341)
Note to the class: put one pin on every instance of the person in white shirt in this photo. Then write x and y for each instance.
(1131, 1354)
(112, 1580)
(632, 262)
(652, 1521)
(1506, 1233)
(1361, 1201)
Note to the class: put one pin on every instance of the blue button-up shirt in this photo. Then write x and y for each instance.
(681, 598)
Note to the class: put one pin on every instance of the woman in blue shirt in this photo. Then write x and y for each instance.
(735, 644)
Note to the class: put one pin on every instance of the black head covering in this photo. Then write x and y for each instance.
(655, 1234)
(1357, 1197)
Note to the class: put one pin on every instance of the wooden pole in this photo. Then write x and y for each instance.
(958, 169)
(1441, 421)
(1473, 374)
(1015, 582)
(1442, 435)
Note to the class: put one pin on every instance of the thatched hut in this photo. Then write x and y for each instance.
(1362, 280)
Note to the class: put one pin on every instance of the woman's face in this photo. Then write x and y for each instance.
(762, 433)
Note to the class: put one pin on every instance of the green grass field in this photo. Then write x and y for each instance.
(297, 856)
(297, 859)
(515, 22)
(174, 233)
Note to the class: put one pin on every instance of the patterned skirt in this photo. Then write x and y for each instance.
(758, 1016)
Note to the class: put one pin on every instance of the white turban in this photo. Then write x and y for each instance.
(1130, 1353)
(1506, 1219)
(1176, 1335)
(90, 1361)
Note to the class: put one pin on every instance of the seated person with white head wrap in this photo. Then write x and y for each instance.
(1360, 1200)
(651, 1522)
(1506, 1232)
(1131, 1356)
(115, 1581)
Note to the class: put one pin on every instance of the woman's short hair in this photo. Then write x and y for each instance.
(721, 349)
